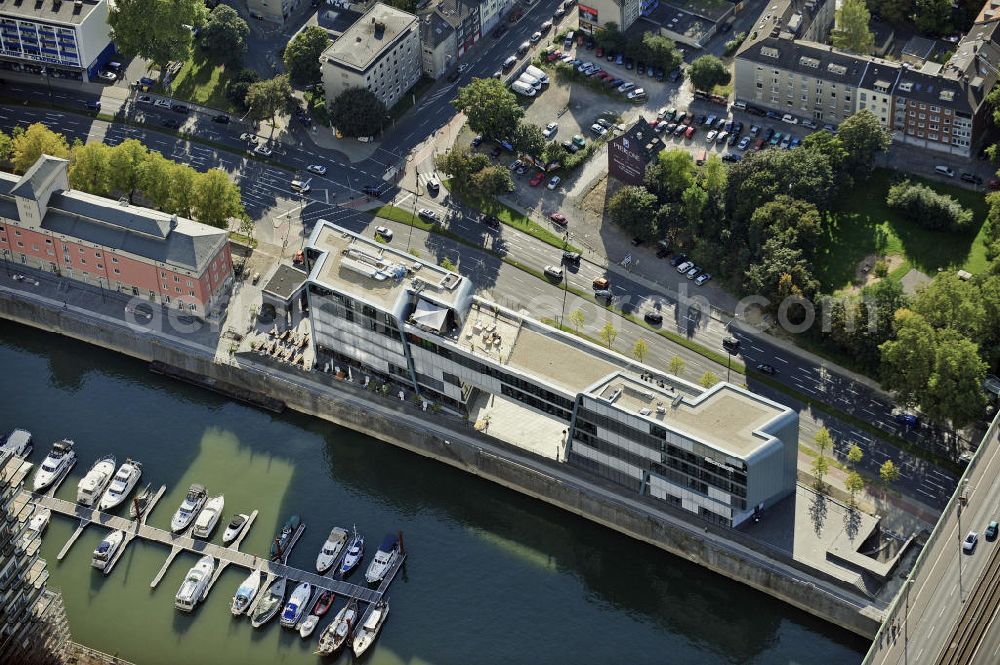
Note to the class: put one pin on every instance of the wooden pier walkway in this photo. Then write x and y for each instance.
(224, 555)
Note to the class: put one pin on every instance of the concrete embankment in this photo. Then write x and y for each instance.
(452, 442)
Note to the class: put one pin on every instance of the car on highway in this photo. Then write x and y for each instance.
(535, 37)
(180, 108)
(601, 284)
(92, 105)
(537, 179)
(571, 257)
(684, 267)
(429, 215)
(491, 222)
(162, 103)
(222, 119)
(764, 368)
(554, 272)
(702, 278)
(653, 317)
(317, 169)
(145, 100)
(991, 531)
(263, 150)
(559, 218)
(550, 130)
(969, 544)
(171, 124)
(905, 419)
(383, 232)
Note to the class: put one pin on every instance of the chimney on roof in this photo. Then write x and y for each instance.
(173, 222)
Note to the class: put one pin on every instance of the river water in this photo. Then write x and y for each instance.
(492, 576)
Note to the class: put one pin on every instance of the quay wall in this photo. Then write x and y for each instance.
(452, 442)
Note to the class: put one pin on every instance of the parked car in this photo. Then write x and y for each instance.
(537, 179)
(383, 232)
(684, 267)
(145, 100)
(477, 141)
(680, 129)
(569, 146)
(721, 137)
(678, 259)
(790, 119)
(558, 218)
(180, 108)
(710, 137)
(702, 278)
(263, 150)
(969, 544)
(731, 157)
(689, 132)
(106, 76)
(693, 272)
(636, 95)
(554, 182)
(945, 170)
(579, 141)
(598, 130)
(550, 130)
(535, 37)
(317, 169)
(969, 177)
(429, 215)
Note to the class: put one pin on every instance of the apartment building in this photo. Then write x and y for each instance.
(464, 18)
(782, 67)
(438, 45)
(492, 12)
(718, 453)
(111, 244)
(33, 625)
(595, 14)
(68, 39)
(381, 52)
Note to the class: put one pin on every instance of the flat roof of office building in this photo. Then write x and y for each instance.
(724, 417)
(377, 273)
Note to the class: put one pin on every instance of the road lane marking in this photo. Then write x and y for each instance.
(781, 360)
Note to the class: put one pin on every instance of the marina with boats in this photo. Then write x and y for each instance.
(262, 596)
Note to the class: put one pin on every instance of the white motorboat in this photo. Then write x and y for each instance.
(36, 525)
(92, 485)
(208, 517)
(18, 443)
(308, 625)
(137, 506)
(367, 633)
(332, 548)
(269, 604)
(335, 634)
(61, 457)
(121, 485)
(355, 552)
(387, 553)
(296, 605)
(106, 549)
(194, 588)
(235, 528)
(190, 506)
(246, 592)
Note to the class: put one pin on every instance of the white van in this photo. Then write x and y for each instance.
(537, 73)
(523, 88)
(530, 80)
(945, 170)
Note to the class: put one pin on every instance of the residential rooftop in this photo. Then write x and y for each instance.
(723, 417)
(377, 273)
(285, 281)
(364, 42)
(56, 11)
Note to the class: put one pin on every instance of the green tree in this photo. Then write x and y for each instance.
(156, 181)
(491, 109)
(239, 86)
(660, 51)
(950, 302)
(126, 161)
(358, 112)
(932, 17)
(269, 99)
(707, 380)
(492, 181)
(694, 199)
(854, 484)
(6, 147)
(634, 209)
(929, 209)
(447, 264)
(608, 334)
(303, 52)
(31, 143)
(799, 222)
(855, 454)
(863, 137)
(672, 172)
(954, 390)
(781, 272)
(528, 139)
(823, 440)
(707, 72)
(461, 164)
(156, 30)
(897, 12)
(182, 182)
(216, 199)
(831, 147)
(224, 35)
(640, 349)
(577, 318)
(715, 180)
(852, 33)
(908, 359)
(610, 37)
(820, 465)
(676, 366)
(90, 167)
(888, 472)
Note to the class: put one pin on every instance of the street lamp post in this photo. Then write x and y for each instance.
(962, 500)
(731, 345)
(562, 317)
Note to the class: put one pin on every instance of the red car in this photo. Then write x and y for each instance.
(558, 218)
(599, 52)
(537, 179)
(689, 132)
(555, 55)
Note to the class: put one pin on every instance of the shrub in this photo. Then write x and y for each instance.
(929, 209)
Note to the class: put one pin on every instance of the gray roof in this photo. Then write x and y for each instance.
(455, 12)
(38, 176)
(285, 281)
(881, 71)
(642, 139)
(434, 29)
(815, 60)
(64, 12)
(375, 32)
(919, 47)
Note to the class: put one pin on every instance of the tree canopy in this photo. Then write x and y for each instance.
(156, 30)
(224, 35)
(269, 99)
(492, 110)
(707, 72)
(863, 137)
(239, 86)
(27, 145)
(358, 112)
(303, 52)
(851, 32)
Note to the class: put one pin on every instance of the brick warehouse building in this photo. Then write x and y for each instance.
(133, 250)
(629, 153)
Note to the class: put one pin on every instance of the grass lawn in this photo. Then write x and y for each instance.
(201, 81)
(863, 224)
